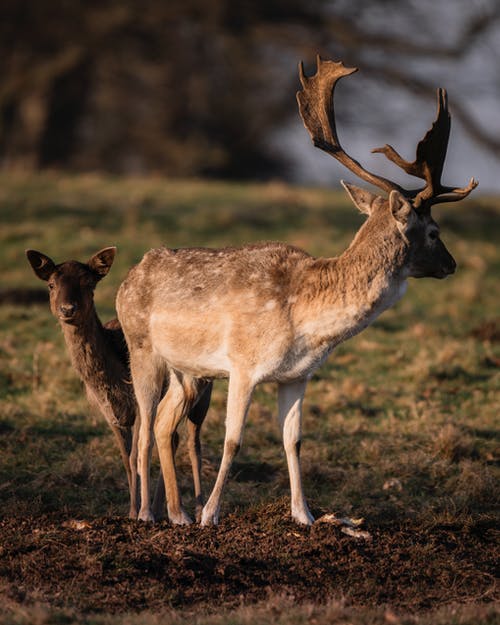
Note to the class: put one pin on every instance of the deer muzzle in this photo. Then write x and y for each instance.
(67, 311)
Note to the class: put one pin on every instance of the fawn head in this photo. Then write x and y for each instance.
(71, 284)
(407, 212)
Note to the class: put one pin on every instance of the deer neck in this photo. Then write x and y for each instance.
(86, 346)
(352, 290)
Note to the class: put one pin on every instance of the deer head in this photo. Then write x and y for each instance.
(71, 284)
(409, 209)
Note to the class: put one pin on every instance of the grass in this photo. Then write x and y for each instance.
(401, 423)
(278, 611)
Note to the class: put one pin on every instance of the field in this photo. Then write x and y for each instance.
(400, 429)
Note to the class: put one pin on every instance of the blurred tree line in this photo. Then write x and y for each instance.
(196, 87)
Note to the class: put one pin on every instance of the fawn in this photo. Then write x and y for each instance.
(100, 357)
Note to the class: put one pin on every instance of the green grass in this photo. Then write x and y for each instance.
(400, 424)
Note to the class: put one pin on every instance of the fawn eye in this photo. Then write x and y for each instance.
(51, 286)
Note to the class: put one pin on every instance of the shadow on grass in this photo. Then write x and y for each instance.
(253, 472)
(79, 431)
(459, 373)
(23, 296)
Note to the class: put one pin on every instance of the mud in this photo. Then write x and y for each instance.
(114, 565)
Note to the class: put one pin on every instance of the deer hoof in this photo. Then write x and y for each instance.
(209, 518)
(179, 518)
(304, 517)
(132, 514)
(146, 516)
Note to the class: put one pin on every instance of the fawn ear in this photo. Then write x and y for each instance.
(400, 208)
(101, 262)
(42, 265)
(362, 198)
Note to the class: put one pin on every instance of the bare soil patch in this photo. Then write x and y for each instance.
(114, 565)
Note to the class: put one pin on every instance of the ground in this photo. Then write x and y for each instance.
(116, 565)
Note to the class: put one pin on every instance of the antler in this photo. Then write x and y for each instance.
(429, 162)
(317, 112)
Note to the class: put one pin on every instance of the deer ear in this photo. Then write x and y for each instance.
(400, 208)
(363, 199)
(42, 265)
(101, 262)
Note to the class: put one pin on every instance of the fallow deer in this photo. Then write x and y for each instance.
(272, 312)
(100, 357)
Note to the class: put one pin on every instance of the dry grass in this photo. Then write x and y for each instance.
(401, 425)
(277, 611)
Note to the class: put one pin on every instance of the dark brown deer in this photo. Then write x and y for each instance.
(100, 357)
(272, 312)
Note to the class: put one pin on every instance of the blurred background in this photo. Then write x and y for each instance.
(206, 88)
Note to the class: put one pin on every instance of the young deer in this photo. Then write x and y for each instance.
(272, 312)
(100, 357)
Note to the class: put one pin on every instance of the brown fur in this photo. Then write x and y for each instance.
(99, 355)
(271, 312)
(267, 312)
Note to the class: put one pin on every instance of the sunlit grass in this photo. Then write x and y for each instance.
(379, 406)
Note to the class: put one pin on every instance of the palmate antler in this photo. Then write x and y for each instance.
(317, 111)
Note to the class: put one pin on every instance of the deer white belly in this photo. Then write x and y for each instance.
(201, 353)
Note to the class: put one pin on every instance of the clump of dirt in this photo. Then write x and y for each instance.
(114, 564)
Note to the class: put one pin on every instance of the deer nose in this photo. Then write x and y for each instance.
(67, 310)
(452, 267)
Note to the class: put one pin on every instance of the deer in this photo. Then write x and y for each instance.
(270, 312)
(99, 356)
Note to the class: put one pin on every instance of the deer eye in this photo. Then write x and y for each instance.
(51, 286)
(433, 236)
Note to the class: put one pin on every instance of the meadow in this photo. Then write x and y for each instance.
(400, 428)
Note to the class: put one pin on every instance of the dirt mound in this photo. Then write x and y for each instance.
(116, 565)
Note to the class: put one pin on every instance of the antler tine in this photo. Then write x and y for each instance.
(431, 153)
(429, 162)
(316, 108)
(449, 194)
(431, 150)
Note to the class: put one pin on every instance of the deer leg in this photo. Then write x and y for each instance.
(148, 384)
(144, 461)
(196, 417)
(170, 412)
(238, 399)
(124, 440)
(290, 398)
(159, 498)
(134, 482)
